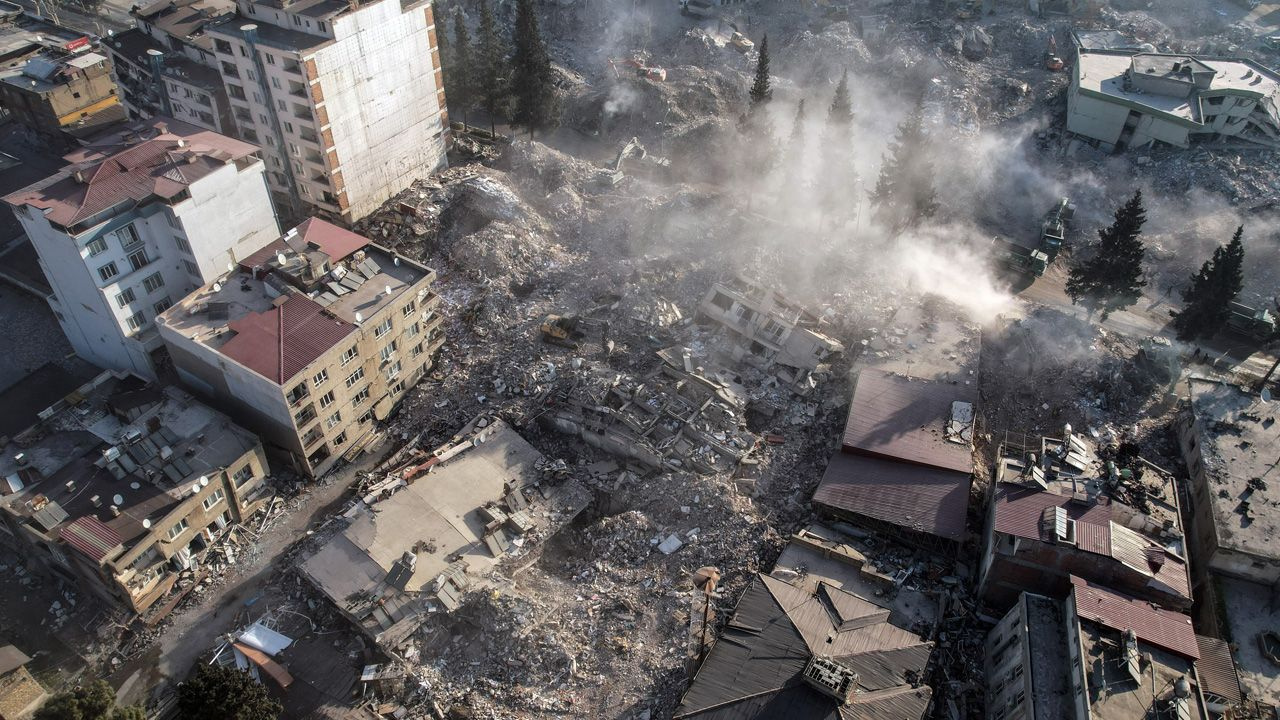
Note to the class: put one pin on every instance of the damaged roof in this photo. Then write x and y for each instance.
(896, 417)
(756, 668)
(923, 499)
(1162, 628)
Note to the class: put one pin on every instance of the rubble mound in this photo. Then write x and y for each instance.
(543, 170)
(643, 108)
(485, 198)
(823, 56)
(514, 253)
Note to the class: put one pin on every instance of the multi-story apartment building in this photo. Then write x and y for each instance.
(309, 340)
(60, 94)
(346, 98)
(165, 65)
(122, 485)
(138, 220)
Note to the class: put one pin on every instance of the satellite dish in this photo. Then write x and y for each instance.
(117, 499)
(231, 267)
(146, 524)
(204, 481)
(1265, 395)
(195, 488)
(135, 486)
(359, 317)
(280, 258)
(217, 287)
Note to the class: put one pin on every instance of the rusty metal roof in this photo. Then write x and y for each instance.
(1162, 628)
(1217, 669)
(1018, 512)
(91, 537)
(279, 343)
(904, 419)
(920, 498)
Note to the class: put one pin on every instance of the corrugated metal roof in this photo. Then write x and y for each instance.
(897, 417)
(279, 343)
(1167, 572)
(894, 704)
(1155, 626)
(921, 498)
(91, 537)
(1217, 669)
(330, 239)
(1019, 509)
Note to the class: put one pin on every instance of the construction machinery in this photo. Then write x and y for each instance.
(741, 43)
(1256, 323)
(610, 177)
(1035, 259)
(641, 68)
(570, 330)
(1053, 61)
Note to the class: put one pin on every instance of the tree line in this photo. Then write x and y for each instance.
(509, 81)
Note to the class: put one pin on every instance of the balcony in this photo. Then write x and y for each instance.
(309, 136)
(292, 67)
(314, 157)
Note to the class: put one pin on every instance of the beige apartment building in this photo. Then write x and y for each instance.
(309, 340)
(123, 485)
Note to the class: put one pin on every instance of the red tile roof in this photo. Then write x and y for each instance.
(896, 417)
(330, 239)
(279, 343)
(156, 162)
(920, 498)
(1165, 629)
(92, 538)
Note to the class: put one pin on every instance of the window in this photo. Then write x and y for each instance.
(326, 400)
(136, 321)
(271, 59)
(192, 270)
(222, 46)
(124, 297)
(138, 260)
(340, 439)
(178, 529)
(256, 97)
(275, 82)
(297, 20)
(397, 388)
(393, 371)
(235, 91)
(365, 419)
(417, 350)
(96, 247)
(283, 107)
(298, 392)
(287, 126)
(211, 501)
(182, 244)
(243, 53)
(413, 330)
(164, 304)
(320, 24)
(388, 351)
(332, 420)
(108, 271)
(382, 329)
(153, 282)
(263, 118)
(408, 309)
(721, 301)
(243, 475)
(320, 378)
(305, 415)
(355, 377)
(349, 355)
(360, 397)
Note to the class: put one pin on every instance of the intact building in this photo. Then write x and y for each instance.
(1125, 100)
(61, 95)
(139, 219)
(1056, 511)
(123, 485)
(309, 340)
(1097, 655)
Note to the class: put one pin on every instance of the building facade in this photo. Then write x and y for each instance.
(124, 485)
(58, 92)
(1126, 100)
(138, 220)
(309, 340)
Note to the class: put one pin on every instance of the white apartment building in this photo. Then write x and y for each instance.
(344, 97)
(137, 221)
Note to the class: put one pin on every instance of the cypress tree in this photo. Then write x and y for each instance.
(1112, 278)
(490, 68)
(535, 97)
(1208, 297)
(761, 89)
(836, 169)
(461, 85)
(904, 192)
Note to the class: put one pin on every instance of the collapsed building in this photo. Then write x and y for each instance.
(906, 459)
(819, 637)
(433, 529)
(1102, 655)
(765, 329)
(1058, 511)
(1130, 100)
(123, 486)
(310, 339)
(678, 417)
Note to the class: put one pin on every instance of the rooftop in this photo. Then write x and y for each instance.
(50, 69)
(1250, 609)
(186, 19)
(920, 498)
(133, 45)
(1166, 629)
(87, 455)
(1239, 444)
(1103, 71)
(271, 35)
(401, 540)
(22, 34)
(913, 421)
(1048, 653)
(147, 160)
(817, 651)
(295, 299)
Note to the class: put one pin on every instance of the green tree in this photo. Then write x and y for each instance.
(490, 65)
(797, 128)
(761, 88)
(215, 692)
(461, 87)
(904, 192)
(836, 172)
(1208, 298)
(536, 105)
(1112, 278)
(96, 701)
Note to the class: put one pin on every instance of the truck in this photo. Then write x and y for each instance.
(1034, 258)
(1256, 323)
